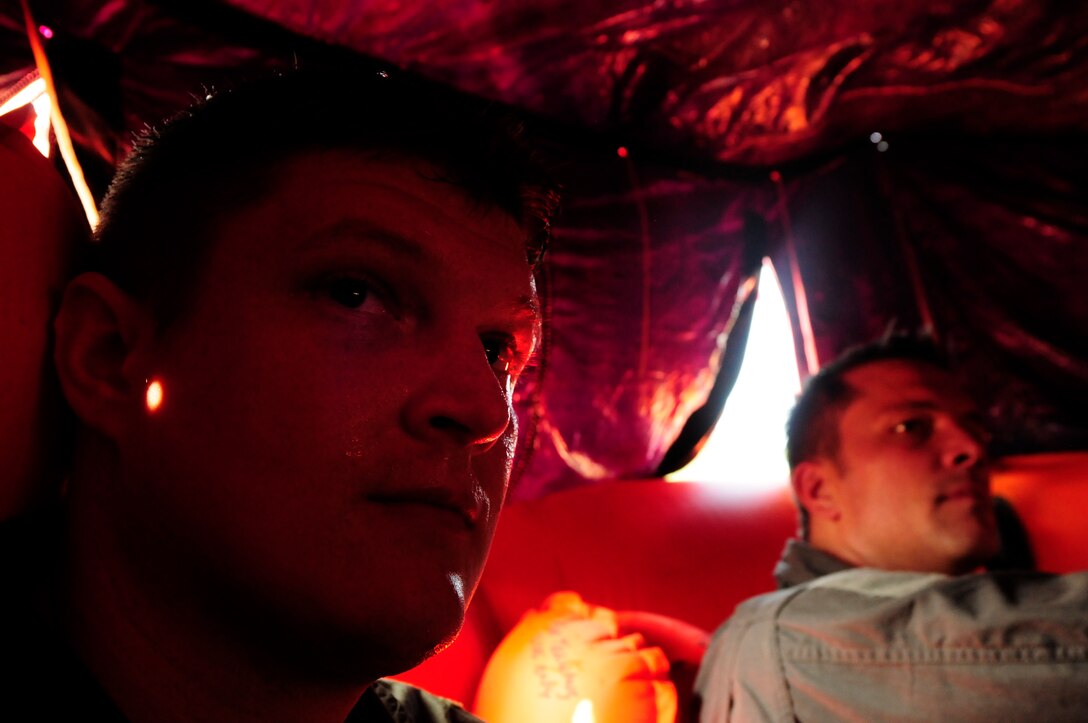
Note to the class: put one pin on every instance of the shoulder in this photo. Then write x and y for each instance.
(917, 646)
(879, 605)
(737, 678)
(756, 622)
(846, 634)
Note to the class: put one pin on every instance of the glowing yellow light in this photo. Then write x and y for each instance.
(28, 94)
(744, 453)
(35, 95)
(41, 123)
(154, 396)
(60, 127)
(583, 712)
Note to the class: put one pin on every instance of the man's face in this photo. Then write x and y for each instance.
(912, 478)
(335, 433)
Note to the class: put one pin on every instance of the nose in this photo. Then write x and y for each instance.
(462, 404)
(963, 449)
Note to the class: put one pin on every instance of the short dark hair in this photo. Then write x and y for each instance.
(159, 215)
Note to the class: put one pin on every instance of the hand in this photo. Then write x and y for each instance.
(568, 651)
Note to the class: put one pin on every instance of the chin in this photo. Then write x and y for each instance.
(417, 628)
(359, 632)
(378, 647)
(415, 644)
(976, 555)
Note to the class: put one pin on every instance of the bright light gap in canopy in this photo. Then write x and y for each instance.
(745, 454)
(35, 95)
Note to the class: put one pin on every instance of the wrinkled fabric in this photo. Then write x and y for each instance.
(640, 289)
(973, 217)
(396, 702)
(984, 240)
(754, 82)
(866, 644)
(1000, 233)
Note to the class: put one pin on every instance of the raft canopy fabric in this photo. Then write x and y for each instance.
(921, 161)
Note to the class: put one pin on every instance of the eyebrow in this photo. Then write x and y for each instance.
(914, 405)
(930, 406)
(362, 230)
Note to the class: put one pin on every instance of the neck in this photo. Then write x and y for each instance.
(156, 643)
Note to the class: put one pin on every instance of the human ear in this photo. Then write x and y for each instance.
(99, 331)
(814, 485)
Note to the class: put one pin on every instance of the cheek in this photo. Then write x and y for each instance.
(877, 498)
(495, 466)
(493, 471)
(509, 440)
(243, 410)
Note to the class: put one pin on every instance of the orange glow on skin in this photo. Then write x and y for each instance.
(154, 396)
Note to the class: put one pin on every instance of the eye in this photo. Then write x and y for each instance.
(917, 428)
(501, 351)
(350, 293)
(978, 427)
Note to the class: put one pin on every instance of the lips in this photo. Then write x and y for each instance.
(468, 505)
(963, 492)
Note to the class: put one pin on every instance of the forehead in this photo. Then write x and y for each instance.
(892, 385)
(339, 201)
(392, 190)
